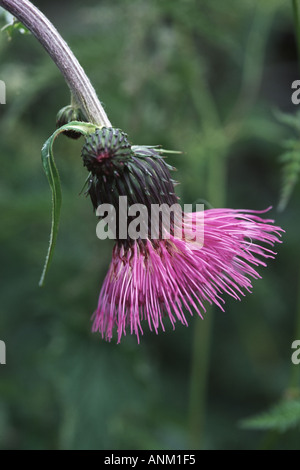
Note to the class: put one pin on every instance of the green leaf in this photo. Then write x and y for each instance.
(13, 27)
(290, 158)
(290, 172)
(282, 417)
(54, 182)
(291, 120)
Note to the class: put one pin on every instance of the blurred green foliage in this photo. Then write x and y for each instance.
(282, 417)
(198, 76)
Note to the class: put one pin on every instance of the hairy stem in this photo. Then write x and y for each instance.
(62, 56)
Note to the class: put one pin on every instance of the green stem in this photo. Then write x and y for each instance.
(199, 379)
(209, 118)
(254, 56)
(203, 329)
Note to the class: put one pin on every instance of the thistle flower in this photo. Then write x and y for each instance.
(150, 279)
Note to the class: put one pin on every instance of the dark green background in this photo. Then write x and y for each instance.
(202, 77)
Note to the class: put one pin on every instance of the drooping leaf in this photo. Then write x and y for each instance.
(54, 182)
(282, 417)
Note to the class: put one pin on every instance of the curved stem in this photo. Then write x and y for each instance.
(62, 56)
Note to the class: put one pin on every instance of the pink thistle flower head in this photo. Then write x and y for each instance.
(150, 279)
